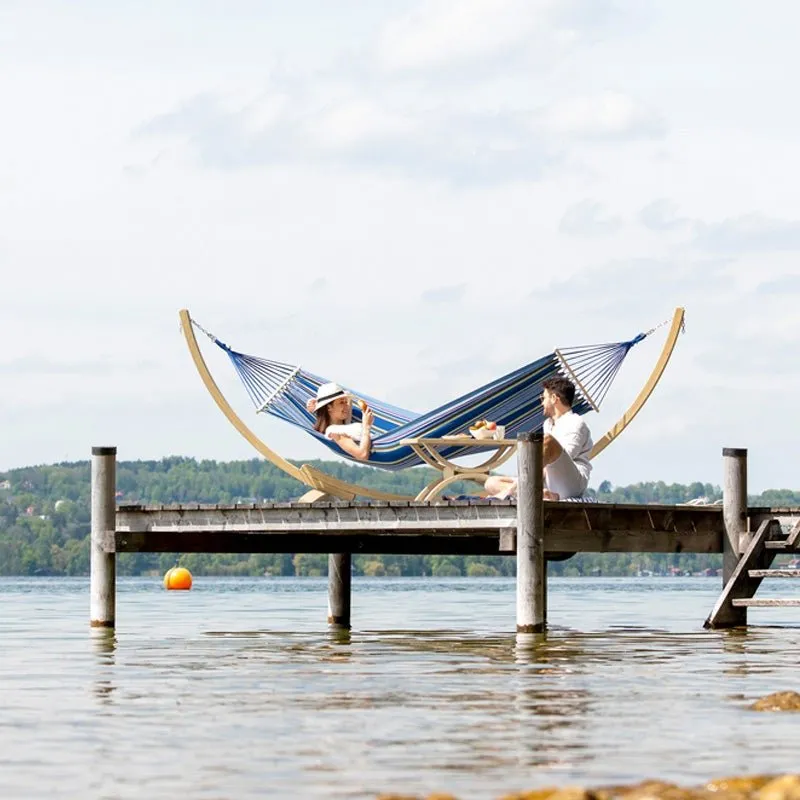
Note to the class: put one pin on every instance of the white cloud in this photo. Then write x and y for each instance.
(588, 218)
(748, 233)
(744, 233)
(444, 294)
(662, 215)
(440, 34)
(608, 116)
(457, 145)
(457, 141)
(361, 121)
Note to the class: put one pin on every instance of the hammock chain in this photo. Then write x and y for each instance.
(666, 322)
(208, 333)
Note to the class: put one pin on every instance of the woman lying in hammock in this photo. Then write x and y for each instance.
(333, 408)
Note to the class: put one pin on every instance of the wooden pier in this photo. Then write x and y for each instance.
(532, 530)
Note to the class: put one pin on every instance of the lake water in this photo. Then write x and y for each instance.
(237, 689)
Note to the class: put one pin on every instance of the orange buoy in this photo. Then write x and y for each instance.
(178, 578)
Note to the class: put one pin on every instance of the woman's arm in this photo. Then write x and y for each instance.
(359, 450)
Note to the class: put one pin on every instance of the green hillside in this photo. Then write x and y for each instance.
(44, 520)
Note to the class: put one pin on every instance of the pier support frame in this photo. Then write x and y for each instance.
(103, 565)
(340, 572)
(531, 563)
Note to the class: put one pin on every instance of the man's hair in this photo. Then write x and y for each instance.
(562, 387)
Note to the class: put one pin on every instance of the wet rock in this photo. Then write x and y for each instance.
(533, 794)
(744, 787)
(737, 785)
(573, 793)
(392, 796)
(658, 790)
(785, 787)
(778, 701)
(553, 793)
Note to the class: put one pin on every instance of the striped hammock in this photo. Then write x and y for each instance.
(513, 400)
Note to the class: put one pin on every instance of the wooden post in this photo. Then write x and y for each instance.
(734, 515)
(339, 583)
(103, 566)
(531, 563)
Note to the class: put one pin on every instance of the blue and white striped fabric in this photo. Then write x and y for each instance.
(513, 400)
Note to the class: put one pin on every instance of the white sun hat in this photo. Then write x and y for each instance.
(329, 392)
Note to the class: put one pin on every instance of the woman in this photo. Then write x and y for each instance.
(333, 409)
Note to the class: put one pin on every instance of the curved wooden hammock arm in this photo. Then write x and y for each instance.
(643, 396)
(323, 484)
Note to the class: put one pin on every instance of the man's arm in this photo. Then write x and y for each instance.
(573, 438)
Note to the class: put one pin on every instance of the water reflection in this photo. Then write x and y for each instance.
(551, 715)
(104, 643)
(339, 635)
(604, 697)
(104, 647)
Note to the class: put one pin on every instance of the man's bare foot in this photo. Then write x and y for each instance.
(548, 495)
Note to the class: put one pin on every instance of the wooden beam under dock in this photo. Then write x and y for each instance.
(477, 527)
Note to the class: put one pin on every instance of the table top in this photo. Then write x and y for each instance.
(460, 441)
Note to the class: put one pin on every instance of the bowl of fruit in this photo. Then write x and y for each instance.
(483, 429)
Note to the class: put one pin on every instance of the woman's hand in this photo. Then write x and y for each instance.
(367, 418)
(311, 405)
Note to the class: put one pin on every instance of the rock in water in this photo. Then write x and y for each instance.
(778, 701)
(786, 787)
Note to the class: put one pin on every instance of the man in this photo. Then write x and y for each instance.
(565, 453)
(567, 442)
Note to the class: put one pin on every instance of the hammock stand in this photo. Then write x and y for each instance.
(322, 485)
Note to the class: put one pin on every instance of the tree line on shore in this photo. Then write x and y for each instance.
(45, 520)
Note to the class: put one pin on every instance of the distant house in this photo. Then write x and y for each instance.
(5, 485)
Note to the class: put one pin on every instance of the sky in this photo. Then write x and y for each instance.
(411, 197)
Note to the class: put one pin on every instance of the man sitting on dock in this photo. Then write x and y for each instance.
(567, 444)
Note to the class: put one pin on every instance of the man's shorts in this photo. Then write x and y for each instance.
(564, 478)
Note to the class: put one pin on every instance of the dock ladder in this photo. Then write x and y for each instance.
(755, 564)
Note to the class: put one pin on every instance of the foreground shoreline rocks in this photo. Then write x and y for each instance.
(745, 787)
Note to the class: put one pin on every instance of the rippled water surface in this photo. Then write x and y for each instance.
(237, 689)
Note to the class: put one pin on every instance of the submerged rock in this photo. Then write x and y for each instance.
(553, 793)
(738, 784)
(786, 787)
(744, 787)
(434, 796)
(778, 701)
(656, 790)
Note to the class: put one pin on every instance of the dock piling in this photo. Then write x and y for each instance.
(339, 586)
(103, 565)
(734, 539)
(531, 563)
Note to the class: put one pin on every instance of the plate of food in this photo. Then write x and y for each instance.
(483, 429)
